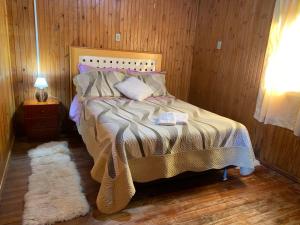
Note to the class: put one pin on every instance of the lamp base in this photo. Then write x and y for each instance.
(41, 95)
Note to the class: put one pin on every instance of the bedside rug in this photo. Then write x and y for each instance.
(54, 190)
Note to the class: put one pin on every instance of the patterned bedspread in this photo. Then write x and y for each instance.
(128, 146)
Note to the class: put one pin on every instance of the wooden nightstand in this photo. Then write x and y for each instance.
(41, 119)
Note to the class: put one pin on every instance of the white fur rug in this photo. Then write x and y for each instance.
(54, 190)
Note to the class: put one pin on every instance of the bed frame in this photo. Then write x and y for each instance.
(103, 58)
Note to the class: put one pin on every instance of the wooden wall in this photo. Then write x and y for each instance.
(166, 26)
(6, 97)
(226, 81)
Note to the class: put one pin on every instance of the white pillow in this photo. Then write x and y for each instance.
(134, 89)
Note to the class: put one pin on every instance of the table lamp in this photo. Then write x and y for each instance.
(40, 94)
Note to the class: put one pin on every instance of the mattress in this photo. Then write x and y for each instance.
(127, 145)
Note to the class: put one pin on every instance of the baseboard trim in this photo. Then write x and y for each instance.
(6, 166)
(281, 172)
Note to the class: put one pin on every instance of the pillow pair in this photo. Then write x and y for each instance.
(112, 82)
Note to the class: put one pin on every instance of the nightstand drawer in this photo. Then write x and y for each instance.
(42, 119)
(37, 111)
(43, 133)
(36, 123)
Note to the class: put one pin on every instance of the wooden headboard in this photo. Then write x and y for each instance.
(140, 61)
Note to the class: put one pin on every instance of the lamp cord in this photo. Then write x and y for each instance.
(36, 37)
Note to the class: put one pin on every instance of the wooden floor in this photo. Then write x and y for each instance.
(196, 198)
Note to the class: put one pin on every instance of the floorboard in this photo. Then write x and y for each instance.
(192, 198)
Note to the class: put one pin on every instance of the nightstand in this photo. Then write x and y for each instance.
(41, 119)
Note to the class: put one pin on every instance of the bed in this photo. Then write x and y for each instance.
(128, 146)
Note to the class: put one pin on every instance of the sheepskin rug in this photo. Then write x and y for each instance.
(54, 190)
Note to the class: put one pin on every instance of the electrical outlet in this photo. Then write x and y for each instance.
(118, 36)
(219, 44)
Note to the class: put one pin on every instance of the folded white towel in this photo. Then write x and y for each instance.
(181, 118)
(167, 119)
(172, 118)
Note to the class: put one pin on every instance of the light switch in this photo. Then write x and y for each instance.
(219, 44)
(118, 36)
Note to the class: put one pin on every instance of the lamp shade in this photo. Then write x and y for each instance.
(41, 83)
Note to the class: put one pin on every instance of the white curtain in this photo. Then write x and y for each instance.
(278, 101)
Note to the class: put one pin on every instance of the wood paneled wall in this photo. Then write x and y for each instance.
(226, 81)
(6, 97)
(164, 26)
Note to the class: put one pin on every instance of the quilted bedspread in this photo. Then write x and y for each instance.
(127, 145)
